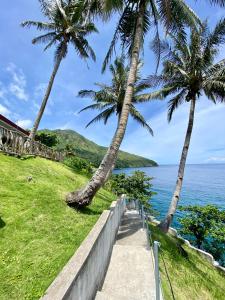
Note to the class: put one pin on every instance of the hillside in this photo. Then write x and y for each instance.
(87, 149)
(191, 276)
(38, 231)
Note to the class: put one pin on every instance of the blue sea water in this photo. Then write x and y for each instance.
(203, 184)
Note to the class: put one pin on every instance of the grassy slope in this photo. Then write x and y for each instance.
(192, 277)
(38, 231)
(89, 150)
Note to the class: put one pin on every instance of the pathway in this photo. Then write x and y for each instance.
(130, 274)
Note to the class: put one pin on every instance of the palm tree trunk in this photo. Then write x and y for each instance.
(165, 224)
(45, 100)
(109, 173)
(85, 196)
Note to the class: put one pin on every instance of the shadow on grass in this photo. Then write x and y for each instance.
(2, 223)
(84, 210)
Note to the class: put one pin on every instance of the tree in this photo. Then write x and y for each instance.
(204, 226)
(136, 187)
(136, 16)
(109, 99)
(188, 72)
(65, 26)
(49, 139)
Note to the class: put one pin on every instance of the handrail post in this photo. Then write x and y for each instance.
(142, 215)
(157, 278)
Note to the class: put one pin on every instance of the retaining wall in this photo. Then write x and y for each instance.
(83, 275)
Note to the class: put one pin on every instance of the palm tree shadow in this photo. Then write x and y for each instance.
(2, 223)
(84, 210)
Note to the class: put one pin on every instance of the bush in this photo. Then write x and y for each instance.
(136, 187)
(79, 165)
(47, 138)
(204, 226)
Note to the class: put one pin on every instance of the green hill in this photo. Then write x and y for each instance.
(87, 149)
(38, 231)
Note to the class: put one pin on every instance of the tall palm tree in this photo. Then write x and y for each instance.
(136, 16)
(188, 73)
(109, 99)
(64, 26)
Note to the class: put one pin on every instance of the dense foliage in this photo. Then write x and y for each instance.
(47, 138)
(204, 226)
(136, 186)
(80, 165)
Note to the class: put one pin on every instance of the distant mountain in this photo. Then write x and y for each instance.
(87, 149)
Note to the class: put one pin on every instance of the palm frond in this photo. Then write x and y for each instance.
(102, 116)
(86, 93)
(98, 106)
(61, 51)
(175, 102)
(114, 41)
(218, 2)
(137, 116)
(39, 25)
(48, 37)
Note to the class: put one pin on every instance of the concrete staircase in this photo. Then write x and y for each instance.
(130, 274)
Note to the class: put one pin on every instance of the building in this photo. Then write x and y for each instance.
(6, 123)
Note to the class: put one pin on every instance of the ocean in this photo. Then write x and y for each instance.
(203, 184)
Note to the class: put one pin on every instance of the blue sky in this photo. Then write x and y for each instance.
(25, 71)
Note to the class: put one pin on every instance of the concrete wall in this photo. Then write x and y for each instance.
(84, 273)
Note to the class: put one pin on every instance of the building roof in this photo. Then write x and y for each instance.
(4, 122)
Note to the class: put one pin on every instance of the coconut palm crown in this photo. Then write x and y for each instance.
(109, 99)
(189, 72)
(65, 25)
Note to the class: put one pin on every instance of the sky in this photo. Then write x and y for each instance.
(25, 70)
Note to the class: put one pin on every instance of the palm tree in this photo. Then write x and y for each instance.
(136, 16)
(109, 99)
(65, 26)
(188, 73)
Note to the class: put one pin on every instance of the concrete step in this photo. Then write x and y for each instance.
(130, 273)
(106, 296)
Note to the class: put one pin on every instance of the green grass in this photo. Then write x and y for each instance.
(192, 277)
(38, 231)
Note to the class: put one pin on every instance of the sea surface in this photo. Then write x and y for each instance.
(203, 184)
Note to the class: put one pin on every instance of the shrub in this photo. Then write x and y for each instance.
(204, 226)
(136, 186)
(47, 138)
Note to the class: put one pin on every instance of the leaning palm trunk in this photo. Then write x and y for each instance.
(165, 224)
(85, 196)
(47, 94)
(109, 173)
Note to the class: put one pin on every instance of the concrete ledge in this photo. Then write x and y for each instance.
(82, 276)
(203, 253)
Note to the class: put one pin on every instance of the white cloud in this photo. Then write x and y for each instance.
(65, 126)
(3, 91)
(216, 159)
(24, 123)
(4, 111)
(40, 90)
(166, 145)
(18, 84)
